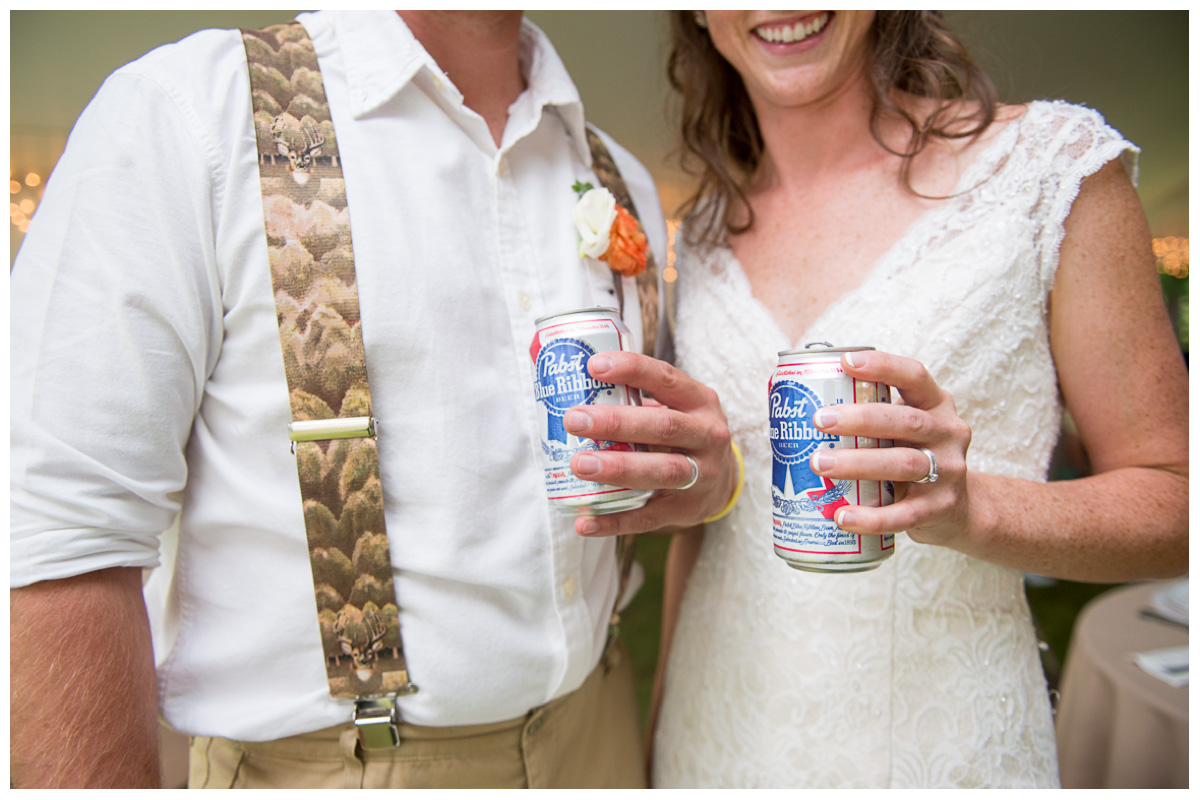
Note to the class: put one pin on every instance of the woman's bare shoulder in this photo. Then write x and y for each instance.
(937, 169)
(963, 118)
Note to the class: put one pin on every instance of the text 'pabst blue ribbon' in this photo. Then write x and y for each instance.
(562, 381)
(793, 437)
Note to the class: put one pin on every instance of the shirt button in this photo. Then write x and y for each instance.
(569, 587)
(437, 84)
(524, 301)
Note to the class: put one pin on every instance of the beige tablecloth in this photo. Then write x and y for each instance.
(1118, 726)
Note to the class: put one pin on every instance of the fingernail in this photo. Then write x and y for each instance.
(588, 526)
(587, 465)
(597, 364)
(823, 461)
(855, 359)
(825, 417)
(844, 518)
(577, 422)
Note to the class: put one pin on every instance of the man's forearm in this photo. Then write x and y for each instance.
(83, 689)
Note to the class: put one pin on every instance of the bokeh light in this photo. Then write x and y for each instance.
(670, 274)
(24, 196)
(1172, 255)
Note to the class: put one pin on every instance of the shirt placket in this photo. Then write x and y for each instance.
(519, 279)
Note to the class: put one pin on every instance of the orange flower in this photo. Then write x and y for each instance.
(626, 251)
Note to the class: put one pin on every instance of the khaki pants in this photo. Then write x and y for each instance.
(587, 739)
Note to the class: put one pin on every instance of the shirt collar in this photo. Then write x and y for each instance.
(381, 57)
(550, 85)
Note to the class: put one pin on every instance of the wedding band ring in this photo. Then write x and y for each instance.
(932, 475)
(695, 475)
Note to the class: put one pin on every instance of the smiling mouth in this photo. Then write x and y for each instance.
(794, 32)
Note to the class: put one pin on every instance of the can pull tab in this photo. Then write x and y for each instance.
(811, 345)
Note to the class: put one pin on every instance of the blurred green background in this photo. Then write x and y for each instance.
(1130, 65)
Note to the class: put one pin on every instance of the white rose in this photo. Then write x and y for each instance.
(593, 216)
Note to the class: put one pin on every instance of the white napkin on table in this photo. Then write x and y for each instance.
(1172, 601)
(1169, 665)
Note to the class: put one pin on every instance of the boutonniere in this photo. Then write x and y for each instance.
(607, 231)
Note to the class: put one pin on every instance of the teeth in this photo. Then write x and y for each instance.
(793, 33)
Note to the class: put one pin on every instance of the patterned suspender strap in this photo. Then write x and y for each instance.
(332, 430)
(316, 298)
(609, 176)
(647, 282)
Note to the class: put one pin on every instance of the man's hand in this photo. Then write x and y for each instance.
(683, 420)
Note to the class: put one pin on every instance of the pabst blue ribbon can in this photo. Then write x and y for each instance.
(803, 503)
(560, 352)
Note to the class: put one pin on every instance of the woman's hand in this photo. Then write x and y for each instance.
(936, 512)
(684, 421)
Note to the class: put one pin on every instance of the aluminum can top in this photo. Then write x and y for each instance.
(822, 347)
(589, 310)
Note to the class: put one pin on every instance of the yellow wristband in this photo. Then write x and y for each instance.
(736, 492)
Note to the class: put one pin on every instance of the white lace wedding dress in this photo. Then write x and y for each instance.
(924, 672)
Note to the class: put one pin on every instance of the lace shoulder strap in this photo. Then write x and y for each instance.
(1063, 145)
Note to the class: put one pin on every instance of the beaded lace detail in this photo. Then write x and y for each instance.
(924, 672)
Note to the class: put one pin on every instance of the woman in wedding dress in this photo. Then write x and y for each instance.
(860, 186)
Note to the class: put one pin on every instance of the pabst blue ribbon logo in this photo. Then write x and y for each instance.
(561, 381)
(793, 436)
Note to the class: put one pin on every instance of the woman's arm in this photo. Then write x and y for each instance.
(1123, 378)
(681, 558)
(1125, 383)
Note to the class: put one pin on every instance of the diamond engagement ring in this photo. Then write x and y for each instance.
(932, 475)
(695, 475)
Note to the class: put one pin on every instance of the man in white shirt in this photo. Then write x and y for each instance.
(148, 386)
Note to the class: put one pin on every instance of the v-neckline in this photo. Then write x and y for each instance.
(918, 225)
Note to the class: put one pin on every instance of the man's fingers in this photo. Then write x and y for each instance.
(659, 514)
(668, 385)
(685, 431)
(632, 471)
(652, 425)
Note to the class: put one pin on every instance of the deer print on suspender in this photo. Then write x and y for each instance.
(300, 162)
(332, 430)
(361, 636)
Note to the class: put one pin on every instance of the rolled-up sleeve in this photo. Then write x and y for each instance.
(115, 324)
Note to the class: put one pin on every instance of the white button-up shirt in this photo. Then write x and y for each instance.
(148, 382)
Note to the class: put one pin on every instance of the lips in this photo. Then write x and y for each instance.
(793, 32)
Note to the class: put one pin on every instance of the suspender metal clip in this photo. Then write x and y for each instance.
(378, 719)
(316, 430)
(321, 430)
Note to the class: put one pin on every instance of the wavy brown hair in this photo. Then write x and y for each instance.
(910, 51)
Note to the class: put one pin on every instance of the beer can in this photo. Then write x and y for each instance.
(804, 504)
(560, 351)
